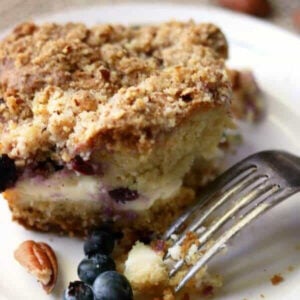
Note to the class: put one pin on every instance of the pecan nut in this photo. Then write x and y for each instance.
(39, 260)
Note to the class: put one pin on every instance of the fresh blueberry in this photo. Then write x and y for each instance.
(8, 172)
(90, 268)
(111, 285)
(99, 241)
(108, 227)
(78, 290)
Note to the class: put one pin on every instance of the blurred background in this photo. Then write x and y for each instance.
(285, 13)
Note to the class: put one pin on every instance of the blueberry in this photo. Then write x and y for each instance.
(90, 268)
(8, 172)
(99, 241)
(108, 227)
(111, 285)
(78, 290)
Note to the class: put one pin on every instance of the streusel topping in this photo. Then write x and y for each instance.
(66, 89)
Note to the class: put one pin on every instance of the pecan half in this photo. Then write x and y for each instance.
(39, 260)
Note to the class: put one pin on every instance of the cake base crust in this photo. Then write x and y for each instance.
(78, 220)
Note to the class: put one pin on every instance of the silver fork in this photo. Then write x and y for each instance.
(249, 188)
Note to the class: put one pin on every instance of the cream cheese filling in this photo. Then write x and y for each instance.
(70, 186)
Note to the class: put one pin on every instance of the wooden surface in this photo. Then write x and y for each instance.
(15, 11)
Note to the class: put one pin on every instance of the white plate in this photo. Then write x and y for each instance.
(269, 246)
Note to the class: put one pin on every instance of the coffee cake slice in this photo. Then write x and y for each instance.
(106, 123)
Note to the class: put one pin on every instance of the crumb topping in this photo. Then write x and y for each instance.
(247, 100)
(67, 89)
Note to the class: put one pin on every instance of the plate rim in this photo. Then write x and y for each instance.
(146, 4)
(275, 28)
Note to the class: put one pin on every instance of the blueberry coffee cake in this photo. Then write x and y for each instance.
(110, 123)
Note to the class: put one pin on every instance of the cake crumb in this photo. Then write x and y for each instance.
(185, 297)
(276, 279)
(145, 269)
(208, 290)
(290, 268)
(167, 295)
(248, 103)
(262, 296)
(159, 246)
(190, 239)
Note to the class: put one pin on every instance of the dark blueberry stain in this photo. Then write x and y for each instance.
(47, 166)
(187, 97)
(81, 166)
(122, 195)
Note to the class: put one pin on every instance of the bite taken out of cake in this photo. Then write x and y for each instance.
(109, 123)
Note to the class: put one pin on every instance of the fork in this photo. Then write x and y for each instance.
(249, 189)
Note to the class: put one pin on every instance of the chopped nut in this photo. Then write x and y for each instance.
(105, 74)
(39, 260)
(24, 29)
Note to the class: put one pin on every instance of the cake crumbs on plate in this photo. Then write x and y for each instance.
(248, 103)
(290, 268)
(169, 295)
(276, 279)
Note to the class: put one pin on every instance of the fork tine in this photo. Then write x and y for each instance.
(276, 197)
(181, 220)
(227, 177)
(257, 191)
(243, 183)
